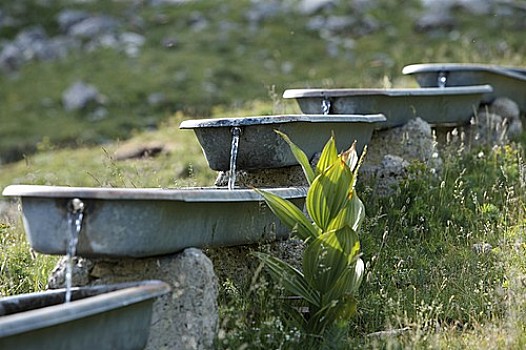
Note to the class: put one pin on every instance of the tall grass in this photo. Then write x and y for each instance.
(444, 265)
(21, 269)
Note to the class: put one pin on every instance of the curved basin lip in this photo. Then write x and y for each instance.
(512, 72)
(281, 119)
(130, 293)
(188, 194)
(414, 92)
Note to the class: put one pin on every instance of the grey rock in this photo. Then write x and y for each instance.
(309, 7)
(489, 129)
(197, 21)
(438, 15)
(390, 152)
(413, 141)
(93, 26)
(31, 41)
(11, 58)
(262, 10)
(386, 176)
(187, 318)
(58, 47)
(506, 108)
(515, 128)
(34, 44)
(105, 40)
(132, 43)
(79, 274)
(67, 18)
(79, 95)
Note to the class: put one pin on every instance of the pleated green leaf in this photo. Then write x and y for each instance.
(329, 156)
(348, 282)
(337, 310)
(300, 157)
(327, 257)
(290, 215)
(328, 194)
(290, 278)
(351, 215)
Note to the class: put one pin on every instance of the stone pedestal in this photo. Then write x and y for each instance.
(186, 318)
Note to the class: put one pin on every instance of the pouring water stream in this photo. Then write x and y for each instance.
(325, 106)
(75, 216)
(236, 133)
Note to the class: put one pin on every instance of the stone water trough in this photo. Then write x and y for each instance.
(144, 222)
(100, 317)
(436, 106)
(505, 81)
(260, 147)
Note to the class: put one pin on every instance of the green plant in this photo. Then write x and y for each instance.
(332, 268)
(21, 269)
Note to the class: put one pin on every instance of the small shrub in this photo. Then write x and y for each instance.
(332, 268)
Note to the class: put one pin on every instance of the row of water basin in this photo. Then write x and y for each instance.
(146, 222)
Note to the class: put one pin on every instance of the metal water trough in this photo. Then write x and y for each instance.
(131, 222)
(101, 317)
(261, 147)
(506, 81)
(453, 106)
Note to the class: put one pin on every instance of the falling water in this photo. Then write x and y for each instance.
(442, 79)
(236, 132)
(75, 215)
(325, 106)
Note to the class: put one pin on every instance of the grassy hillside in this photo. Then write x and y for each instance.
(201, 54)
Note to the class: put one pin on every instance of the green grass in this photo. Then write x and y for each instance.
(423, 274)
(21, 269)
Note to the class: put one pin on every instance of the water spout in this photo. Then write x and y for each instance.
(442, 79)
(236, 133)
(75, 216)
(325, 106)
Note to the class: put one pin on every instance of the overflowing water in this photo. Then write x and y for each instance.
(236, 133)
(325, 106)
(75, 216)
(442, 79)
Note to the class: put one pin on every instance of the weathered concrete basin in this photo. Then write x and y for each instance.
(131, 222)
(506, 81)
(436, 106)
(102, 317)
(260, 147)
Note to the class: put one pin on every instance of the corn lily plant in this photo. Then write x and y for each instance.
(332, 269)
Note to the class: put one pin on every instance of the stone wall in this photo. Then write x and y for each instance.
(186, 318)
